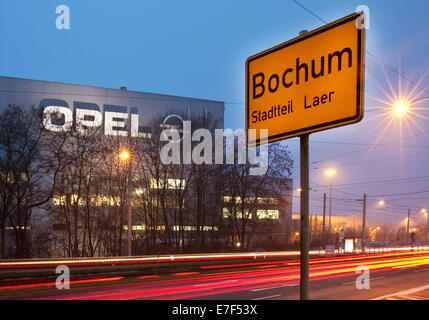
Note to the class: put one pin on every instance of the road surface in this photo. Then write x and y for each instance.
(399, 276)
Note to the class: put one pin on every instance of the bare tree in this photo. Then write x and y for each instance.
(29, 157)
(78, 194)
(162, 197)
(245, 194)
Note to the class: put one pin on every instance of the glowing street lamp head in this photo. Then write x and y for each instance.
(400, 108)
(299, 189)
(381, 203)
(124, 155)
(330, 172)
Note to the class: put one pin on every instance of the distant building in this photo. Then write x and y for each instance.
(351, 224)
(269, 218)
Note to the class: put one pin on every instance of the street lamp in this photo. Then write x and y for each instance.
(330, 173)
(400, 108)
(126, 156)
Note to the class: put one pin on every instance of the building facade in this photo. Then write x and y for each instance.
(174, 208)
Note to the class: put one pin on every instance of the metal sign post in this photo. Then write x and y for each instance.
(305, 204)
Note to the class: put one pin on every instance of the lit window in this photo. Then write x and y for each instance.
(267, 214)
(143, 227)
(139, 191)
(171, 183)
(227, 198)
(239, 214)
(59, 200)
(225, 213)
(250, 200)
(19, 227)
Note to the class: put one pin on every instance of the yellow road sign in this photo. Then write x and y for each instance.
(311, 83)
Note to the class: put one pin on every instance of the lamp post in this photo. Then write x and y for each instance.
(380, 204)
(426, 227)
(125, 156)
(408, 227)
(330, 173)
(426, 223)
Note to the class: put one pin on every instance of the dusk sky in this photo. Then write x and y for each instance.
(199, 48)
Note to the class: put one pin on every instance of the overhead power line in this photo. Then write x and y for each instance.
(399, 194)
(381, 181)
(368, 148)
(370, 53)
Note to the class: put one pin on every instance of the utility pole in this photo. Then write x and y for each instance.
(426, 233)
(408, 227)
(323, 223)
(354, 224)
(364, 224)
(387, 235)
(330, 207)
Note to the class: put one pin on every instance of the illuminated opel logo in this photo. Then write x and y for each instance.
(173, 121)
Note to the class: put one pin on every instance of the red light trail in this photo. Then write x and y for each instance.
(286, 274)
